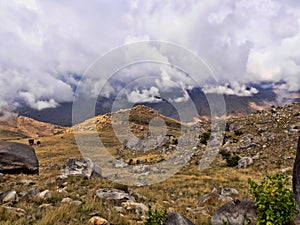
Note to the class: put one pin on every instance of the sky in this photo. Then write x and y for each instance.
(46, 46)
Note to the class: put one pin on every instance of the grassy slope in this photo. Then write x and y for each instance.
(179, 193)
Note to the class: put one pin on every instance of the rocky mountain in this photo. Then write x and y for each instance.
(71, 189)
(235, 105)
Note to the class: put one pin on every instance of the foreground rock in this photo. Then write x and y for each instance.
(96, 220)
(177, 219)
(80, 167)
(237, 212)
(17, 158)
(9, 196)
(115, 195)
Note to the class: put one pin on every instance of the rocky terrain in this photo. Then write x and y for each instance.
(73, 190)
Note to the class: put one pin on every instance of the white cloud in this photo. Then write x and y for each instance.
(44, 43)
(145, 95)
(233, 88)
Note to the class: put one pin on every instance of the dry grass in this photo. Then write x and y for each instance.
(180, 193)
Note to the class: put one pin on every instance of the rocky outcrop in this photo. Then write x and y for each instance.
(80, 167)
(177, 219)
(17, 158)
(237, 212)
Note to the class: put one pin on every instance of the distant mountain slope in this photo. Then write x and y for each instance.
(235, 106)
(26, 127)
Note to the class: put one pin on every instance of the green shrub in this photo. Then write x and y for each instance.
(205, 137)
(275, 203)
(238, 132)
(156, 217)
(231, 159)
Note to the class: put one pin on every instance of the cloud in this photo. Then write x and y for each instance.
(47, 45)
(145, 95)
(231, 89)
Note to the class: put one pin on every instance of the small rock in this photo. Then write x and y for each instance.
(77, 202)
(45, 206)
(245, 162)
(114, 194)
(17, 211)
(97, 220)
(138, 208)
(9, 196)
(27, 182)
(237, 212)
(67, 200)
(177, 219)
(229, 191)
(44, 195)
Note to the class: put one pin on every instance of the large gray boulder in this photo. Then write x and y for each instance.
(83, 167)
(177, 219)
(17, 158)
(237, 212)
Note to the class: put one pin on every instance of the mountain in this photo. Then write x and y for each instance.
(26, 127)
(235, 106)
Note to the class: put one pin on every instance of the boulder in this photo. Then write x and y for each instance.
(97, 220)
(114, 195)
(229, 191)
(80, 167)
(245, 162)
(17, 158)
(177, 219)
(237, 212)
(9, 196)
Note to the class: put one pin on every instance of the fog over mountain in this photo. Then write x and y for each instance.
(46, 47)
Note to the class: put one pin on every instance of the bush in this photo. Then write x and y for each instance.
(231, 159)
(238, 132)
(205, 137)
(275, 202)
(155, 217)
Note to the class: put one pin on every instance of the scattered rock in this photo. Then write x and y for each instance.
(79, 167)
(177, 219)
(245, 162)
(17, 211)
(67, 200)
(116, 195)
(97, 220)
(237, 212)
(17, 158)
(229, 191)
(44, 195)
(137, 208)
(9, 196)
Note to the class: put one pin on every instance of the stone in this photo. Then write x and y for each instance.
(9, 196)
(17, 211)
(120, 164)
(114, 195)
(97, 220)
(44, 195)
(134, 143)
(137, 208)
(247, 138)
(32, 193)
(237, 212)
(16, 158)
(79, 167)
(245, 162)
(229, 191)
(67, 200)
(174, 218)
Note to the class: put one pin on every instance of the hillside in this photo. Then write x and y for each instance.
(27, 127)
(267, 136)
